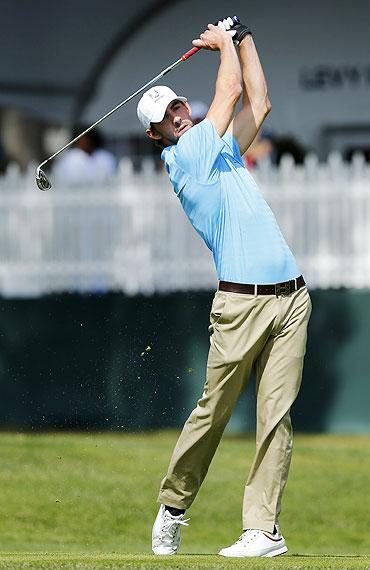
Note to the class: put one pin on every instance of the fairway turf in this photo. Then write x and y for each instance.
(180, 562)
(75, 495)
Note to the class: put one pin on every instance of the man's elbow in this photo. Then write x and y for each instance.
(235, 92)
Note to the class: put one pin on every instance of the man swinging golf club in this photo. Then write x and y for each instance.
(261, 309)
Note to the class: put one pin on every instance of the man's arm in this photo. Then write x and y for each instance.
(228, 87)
(255, 104)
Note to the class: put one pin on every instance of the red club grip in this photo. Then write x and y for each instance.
(195, 49)
(189, 53)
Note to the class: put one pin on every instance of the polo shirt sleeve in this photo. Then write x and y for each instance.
(233, 147)
(198, 150)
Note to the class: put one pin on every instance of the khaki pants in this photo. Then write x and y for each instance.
(269, 333)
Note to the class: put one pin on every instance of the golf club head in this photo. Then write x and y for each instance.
(42, 180)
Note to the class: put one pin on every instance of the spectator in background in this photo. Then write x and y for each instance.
(87, 163)
(289, 145)
(3, 159)
(262, 148)
(359, 150)
(199, 111)
(267, 146)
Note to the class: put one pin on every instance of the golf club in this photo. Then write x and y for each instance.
(43, 181)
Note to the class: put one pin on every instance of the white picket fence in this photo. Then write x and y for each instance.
(133, 236)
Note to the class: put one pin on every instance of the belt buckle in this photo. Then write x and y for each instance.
(282, 289)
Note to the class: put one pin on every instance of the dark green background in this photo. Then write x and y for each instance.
(71, 361)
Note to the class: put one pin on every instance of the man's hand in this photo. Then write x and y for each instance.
(238, 31)
(214, 38)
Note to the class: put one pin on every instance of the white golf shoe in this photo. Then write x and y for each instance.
(256, 543)
(166, 534)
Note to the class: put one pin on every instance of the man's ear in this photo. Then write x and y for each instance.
(153, 134)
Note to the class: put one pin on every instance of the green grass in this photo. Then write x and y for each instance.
(74, 495)
(180, 562)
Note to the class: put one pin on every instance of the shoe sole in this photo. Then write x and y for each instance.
(270, 554)
(281, 550)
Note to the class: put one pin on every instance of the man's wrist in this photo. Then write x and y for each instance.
(227, 40)
(241, 32)
(247, 38)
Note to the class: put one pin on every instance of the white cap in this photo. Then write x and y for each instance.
(153, 104)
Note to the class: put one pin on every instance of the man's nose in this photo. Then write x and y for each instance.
(177, 121)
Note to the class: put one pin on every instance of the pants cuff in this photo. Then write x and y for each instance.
(256, 524)
(170, 502)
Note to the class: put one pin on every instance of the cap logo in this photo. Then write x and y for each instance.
(156, 95)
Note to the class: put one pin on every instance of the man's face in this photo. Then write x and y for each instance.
(175, 123)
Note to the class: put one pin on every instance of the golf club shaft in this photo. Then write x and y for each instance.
(184, 57)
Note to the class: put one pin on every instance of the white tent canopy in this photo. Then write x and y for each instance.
(66, 61)
(52, 53)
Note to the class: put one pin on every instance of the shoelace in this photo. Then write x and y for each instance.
(248, 536)
(170, 526)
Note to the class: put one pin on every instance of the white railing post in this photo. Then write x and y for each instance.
(131, 235)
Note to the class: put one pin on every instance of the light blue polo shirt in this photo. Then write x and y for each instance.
(224, 205)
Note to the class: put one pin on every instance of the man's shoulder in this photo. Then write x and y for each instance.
(200, 129)
(167, 154)
(201, 138)
(196, 153)
(172, 166)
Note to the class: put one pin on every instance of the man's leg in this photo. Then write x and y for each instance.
(195, 448)
(279, 372)
(202, 432)
(235, 342)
